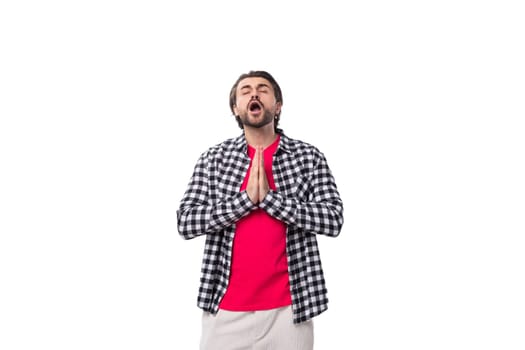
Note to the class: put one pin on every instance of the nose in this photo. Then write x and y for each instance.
(255, 97)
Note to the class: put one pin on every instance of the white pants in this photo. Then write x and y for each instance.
(255, 330)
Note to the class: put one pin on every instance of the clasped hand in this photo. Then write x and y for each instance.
(257, 186)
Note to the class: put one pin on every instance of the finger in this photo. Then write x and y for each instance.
(260, 164)
(255, 164)
(263, 180)
(261, 158)
(252, 187)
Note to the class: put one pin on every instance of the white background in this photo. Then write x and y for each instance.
(418, 106)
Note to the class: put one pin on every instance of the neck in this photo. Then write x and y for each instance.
(257, 137)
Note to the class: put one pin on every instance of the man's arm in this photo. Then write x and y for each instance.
(198, 214)
(321, 214)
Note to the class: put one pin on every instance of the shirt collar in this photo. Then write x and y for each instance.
(284, 143)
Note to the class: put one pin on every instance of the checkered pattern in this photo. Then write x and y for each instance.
(306, 199)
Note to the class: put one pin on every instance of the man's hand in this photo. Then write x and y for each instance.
(263, 185)
(257, 186)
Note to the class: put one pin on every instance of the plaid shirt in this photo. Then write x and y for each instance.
(306, 200)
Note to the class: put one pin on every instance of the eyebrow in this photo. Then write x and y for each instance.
(257, 87)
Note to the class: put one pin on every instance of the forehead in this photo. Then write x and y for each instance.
(253, 82)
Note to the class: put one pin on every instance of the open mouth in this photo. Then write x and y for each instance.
(254, 106)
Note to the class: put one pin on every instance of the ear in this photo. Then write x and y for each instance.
(278, 106)
(235, 110)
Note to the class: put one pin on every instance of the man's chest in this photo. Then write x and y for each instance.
(291, 176)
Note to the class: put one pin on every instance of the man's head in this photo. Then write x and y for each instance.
(256, 100)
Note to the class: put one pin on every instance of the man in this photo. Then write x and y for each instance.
(261, 199)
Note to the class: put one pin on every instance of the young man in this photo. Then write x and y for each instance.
(261, 199)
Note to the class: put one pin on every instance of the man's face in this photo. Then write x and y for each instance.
(255, 102)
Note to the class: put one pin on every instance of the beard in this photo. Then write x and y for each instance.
(244, 119)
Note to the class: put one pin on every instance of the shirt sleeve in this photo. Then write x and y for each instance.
(320, 213)
(198, 214)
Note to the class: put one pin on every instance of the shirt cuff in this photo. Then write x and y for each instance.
(244, 203)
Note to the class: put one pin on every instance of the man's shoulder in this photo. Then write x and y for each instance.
(228, 143)
(298, 146)
(225, 146)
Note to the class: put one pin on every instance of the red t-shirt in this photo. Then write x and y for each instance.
(259, 269)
